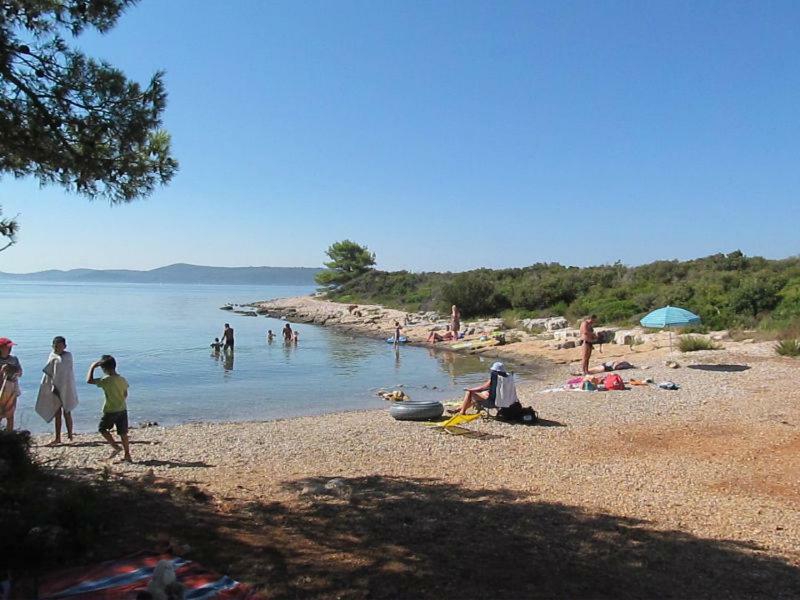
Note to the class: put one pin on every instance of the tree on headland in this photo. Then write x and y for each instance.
(348, 260)
(71, 120)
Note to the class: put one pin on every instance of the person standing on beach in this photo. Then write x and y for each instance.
(397, 328)
(10, 372)
(227, 338)
(455, 321)
(58, 393)
(589, 338)
(287, 333)
(115, 408)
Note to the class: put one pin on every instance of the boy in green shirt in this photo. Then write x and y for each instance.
(115, 409)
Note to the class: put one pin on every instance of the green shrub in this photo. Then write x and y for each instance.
(509, 322)
(15, 454)
(474, 293)
(788, 348)
(693, 343)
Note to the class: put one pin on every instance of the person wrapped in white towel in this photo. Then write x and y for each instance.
(58, 393)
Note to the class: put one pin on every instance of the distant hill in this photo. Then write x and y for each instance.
(178, 273)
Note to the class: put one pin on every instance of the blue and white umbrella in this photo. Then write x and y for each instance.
(669, 316)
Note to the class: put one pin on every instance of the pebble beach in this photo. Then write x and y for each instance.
(718, 459)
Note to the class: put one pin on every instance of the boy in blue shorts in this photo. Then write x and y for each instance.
(115, 409)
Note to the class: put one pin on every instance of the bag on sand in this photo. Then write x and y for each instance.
(614, 382)
(518, 414)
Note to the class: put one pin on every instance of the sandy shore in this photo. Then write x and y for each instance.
(701, 485)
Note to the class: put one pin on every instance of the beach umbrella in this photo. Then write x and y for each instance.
(668, 317)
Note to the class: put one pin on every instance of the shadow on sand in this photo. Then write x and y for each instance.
(720, 368)
(393, 537)
(96, 444)
(174, 464)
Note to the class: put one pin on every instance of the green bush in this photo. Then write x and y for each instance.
(788, 348)
(15, 455)
(474, 293)
(693, 343)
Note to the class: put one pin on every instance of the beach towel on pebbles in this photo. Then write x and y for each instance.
(506, 391)
(127, 577)
(58, 374)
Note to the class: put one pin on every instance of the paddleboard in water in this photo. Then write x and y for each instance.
(403, 340)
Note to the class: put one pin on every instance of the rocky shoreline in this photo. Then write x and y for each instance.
(553, 338)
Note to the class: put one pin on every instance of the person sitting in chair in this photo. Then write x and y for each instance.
(484, 395)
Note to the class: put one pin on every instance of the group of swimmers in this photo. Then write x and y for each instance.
(227, 344)
(289, 335)
(58, 396)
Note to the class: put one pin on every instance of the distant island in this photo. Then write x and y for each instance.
(177, 273)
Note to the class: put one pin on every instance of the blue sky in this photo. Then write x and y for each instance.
(448, 135)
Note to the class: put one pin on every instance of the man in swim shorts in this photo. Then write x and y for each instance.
(227, 337)
(589, 338)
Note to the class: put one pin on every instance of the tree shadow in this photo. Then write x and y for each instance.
(172, 464)
(538, 423)
(394, 537)
(95, 444)
(425, 538)
(720, 368)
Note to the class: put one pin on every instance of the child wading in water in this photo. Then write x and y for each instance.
(115, 409)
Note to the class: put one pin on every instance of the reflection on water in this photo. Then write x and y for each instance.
(397, 363)
(287, 350)
(458, 365)
(349, 355)
(228, 359)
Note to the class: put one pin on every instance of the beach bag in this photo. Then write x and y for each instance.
(518, 414)
(510, 413)
(529, 416)
(588, 386)
(614, 382)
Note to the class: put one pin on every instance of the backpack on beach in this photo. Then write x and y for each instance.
(517, 414)
(614, 382)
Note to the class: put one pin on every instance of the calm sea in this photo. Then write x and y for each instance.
(160, 336)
